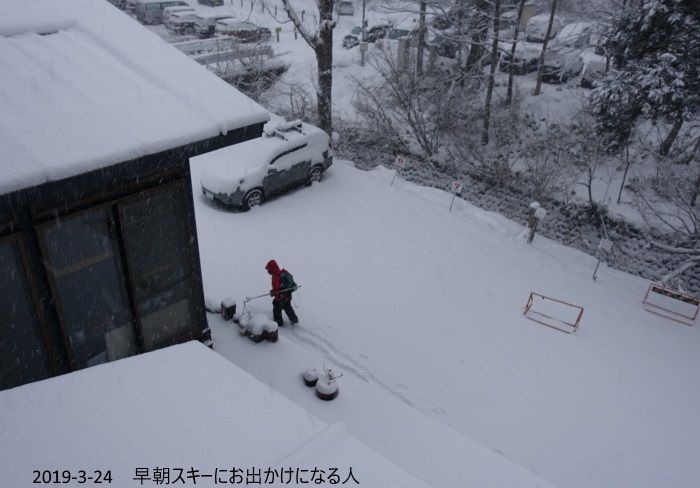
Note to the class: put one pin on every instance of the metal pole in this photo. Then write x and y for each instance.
(454, 196)
(392, 180)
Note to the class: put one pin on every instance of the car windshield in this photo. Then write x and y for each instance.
(397, 33)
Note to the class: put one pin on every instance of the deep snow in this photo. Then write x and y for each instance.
(426, 305)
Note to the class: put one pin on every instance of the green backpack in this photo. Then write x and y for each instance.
(287, 281)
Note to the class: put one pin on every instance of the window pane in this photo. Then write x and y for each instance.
(22, 357)
(85, 264)
(158, 256)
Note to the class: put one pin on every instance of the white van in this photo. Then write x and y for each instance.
(151, 11)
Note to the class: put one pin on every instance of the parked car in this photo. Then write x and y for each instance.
(211, 3)
(344, 7)
(286, 155)
(378, 31)
(594, 67)
(372, 34)
(204, 23)
(181, 22)
(443, 46)
(353, 39)
(242, 30)
(578, 35)
(169, 11)
(451, 18)
(151, 11)
(561, 64)
(536, 29)
(527, 55)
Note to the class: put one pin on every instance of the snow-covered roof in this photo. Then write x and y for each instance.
(180, 407)
(84, 86)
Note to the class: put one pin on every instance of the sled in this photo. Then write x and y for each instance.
(548, 311)
(671, 304)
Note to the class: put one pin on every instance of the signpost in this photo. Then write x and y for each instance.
(456, 187)
(400, 163)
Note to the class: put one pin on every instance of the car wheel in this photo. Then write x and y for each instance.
(253, 198)
(315, 175)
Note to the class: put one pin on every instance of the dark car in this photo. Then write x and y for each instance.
(447, 48)
(372, 34)
(242, 30)
(285, 156)
(353, 39)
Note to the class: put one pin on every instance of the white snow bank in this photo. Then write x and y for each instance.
(83, 86)
(414, 302)
(179, 407)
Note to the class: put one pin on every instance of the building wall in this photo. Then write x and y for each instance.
(101, 266)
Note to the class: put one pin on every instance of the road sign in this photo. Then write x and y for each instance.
(457, 186)
(400, 161)
(605, 245)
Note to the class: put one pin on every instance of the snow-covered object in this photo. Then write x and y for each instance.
(326, 387)
(228, 308)
(536, 28)
(211, 306)
(116, 92)
(270, 331)
(242, 167)
(540, 213)
(535, 205)
(310, 377)
(257, 324)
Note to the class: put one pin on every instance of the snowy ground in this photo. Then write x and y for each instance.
(419, 305)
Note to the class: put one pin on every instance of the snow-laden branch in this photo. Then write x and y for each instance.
(676, 250)
(690, 263)
(311, 39)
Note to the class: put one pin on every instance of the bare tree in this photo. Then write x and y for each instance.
(511, 73)
(321, 41)
(407, 109)
(540, 64)
(492, 71)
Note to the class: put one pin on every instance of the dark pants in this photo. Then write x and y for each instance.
(286, 305)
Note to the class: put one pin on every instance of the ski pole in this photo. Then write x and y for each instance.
(247, 299)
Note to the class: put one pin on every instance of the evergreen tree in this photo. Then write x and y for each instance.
(656, 49)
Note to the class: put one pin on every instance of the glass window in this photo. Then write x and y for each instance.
(87, 276)
(22, 355)
(158, 254)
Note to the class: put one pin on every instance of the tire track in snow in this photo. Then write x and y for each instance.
(309, 338)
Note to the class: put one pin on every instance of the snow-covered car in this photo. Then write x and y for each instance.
(286, 155)
(578, 35)
(594, 67)
(204, 23)
(169, 11)
(211, 3)
(344, 7)
(527, 55)
(536, 28)
(561, 64)
(373, 34)
(353, 39)
(242, 30)
(181, 22)
(443, 46)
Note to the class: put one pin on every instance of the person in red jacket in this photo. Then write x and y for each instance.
(281, 299)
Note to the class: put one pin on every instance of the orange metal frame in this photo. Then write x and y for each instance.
(572, 326)
(676, 295)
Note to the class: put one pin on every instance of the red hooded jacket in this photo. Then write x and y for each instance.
(276, 273)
